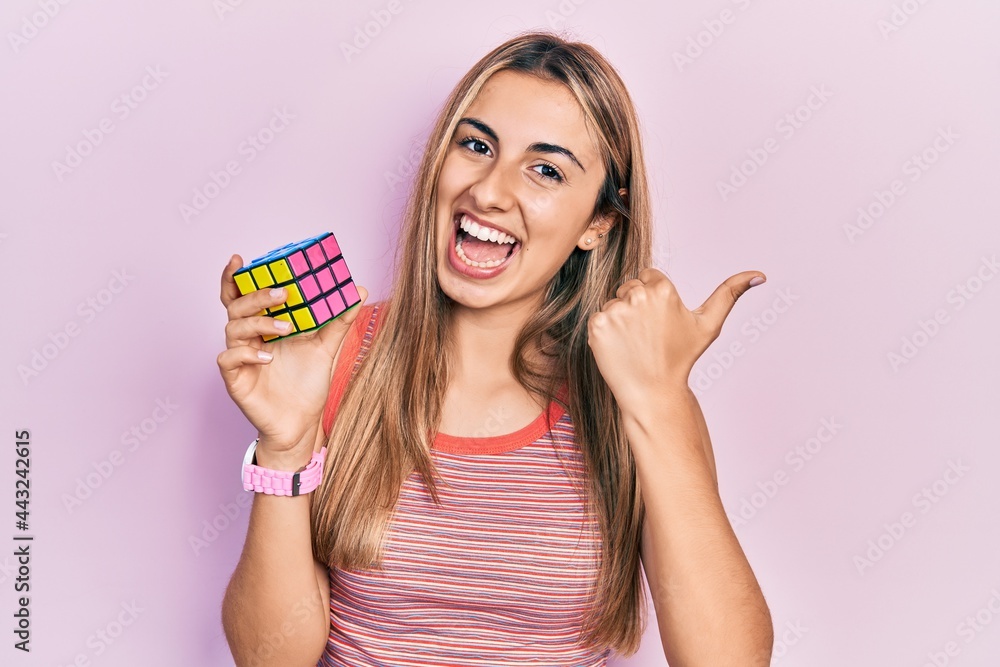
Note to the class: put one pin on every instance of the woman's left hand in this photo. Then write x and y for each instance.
(646, 339)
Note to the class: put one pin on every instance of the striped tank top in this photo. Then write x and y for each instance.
(499, 574)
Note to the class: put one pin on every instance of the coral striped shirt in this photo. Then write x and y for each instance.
(498, 574)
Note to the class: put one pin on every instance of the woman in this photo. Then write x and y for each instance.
(514, 433)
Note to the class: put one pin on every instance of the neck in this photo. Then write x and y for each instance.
(484, 341)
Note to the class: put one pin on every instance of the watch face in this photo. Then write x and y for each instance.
(248, 458)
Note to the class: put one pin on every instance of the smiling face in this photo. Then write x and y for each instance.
(516, 192)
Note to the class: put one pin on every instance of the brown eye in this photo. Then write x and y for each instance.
(477, 143)
(552, 173)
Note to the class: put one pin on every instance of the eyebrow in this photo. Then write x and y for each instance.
(537, 147)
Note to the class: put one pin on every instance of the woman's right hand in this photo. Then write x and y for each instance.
(280, 385)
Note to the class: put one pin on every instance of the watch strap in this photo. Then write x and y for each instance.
(281, 482)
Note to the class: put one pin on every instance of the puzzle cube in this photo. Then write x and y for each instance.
(319, 285)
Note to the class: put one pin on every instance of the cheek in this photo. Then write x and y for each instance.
(447, 192)
(541, 204)
(557, 222)
(450, 178)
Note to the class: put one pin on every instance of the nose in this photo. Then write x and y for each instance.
(493, 190)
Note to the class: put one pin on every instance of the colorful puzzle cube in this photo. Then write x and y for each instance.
(315, 275)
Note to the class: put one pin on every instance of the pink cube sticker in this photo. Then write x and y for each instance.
(340, 271)
(310, 290)
(351, 293)
(315, 255)
(336, 303)
(330, 247)
(298, 262)
(321, 311)
(325, 278)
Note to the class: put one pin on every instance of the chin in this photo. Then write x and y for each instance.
(464, 293)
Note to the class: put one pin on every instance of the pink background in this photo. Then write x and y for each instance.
(814, 343)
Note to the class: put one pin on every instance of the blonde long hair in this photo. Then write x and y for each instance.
(390, 431)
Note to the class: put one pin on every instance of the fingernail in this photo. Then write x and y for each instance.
(756, 280)
(264, 356)
(282, 325)
(277, 291)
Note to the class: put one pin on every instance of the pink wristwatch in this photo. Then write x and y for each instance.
(281, 482)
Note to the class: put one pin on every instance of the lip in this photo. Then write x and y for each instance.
(474, 271)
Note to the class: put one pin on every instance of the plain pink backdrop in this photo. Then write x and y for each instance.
(862, 328)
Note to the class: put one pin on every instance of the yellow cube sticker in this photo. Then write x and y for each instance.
(304, 318)
(262, 276)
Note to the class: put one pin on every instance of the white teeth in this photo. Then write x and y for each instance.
(485, 233)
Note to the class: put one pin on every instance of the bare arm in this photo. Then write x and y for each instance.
(276, 608)
(709, 607)
(706, 440)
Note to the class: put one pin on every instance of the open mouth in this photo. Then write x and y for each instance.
(480, 246)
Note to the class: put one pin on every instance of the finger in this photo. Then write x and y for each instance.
(256, 302)
(247, 330)
(720, 303)
(230, 291)
(651, 274)
(599, 319)
(332, 335)
(232, 359)
(647, 276)
(626, 286)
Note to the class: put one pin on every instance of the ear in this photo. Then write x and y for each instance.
(596, 232)
(598, 229)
